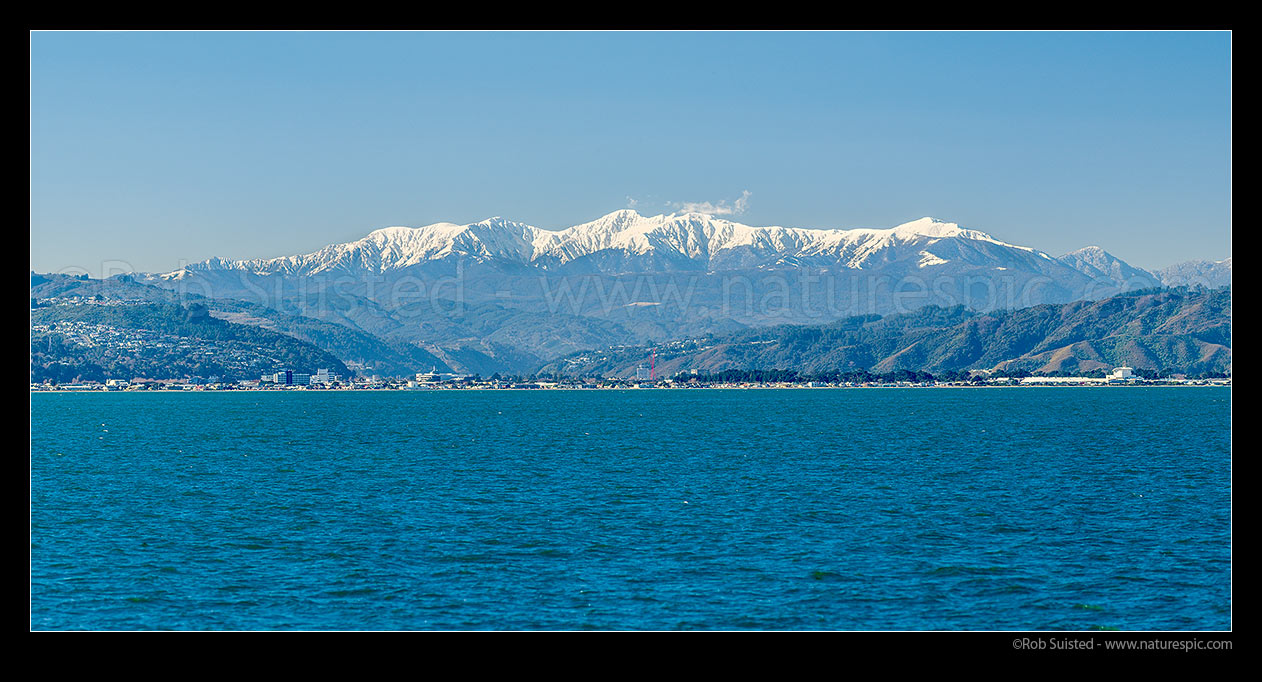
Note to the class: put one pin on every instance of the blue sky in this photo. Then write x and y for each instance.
(150, 149)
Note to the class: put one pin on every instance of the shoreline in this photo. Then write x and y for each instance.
(618, 388)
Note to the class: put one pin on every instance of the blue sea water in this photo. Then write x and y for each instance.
(834, 509)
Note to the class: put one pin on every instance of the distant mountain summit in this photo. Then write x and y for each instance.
(1212, 274)
(1098, 264)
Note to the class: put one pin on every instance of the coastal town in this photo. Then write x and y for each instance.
(324, 380)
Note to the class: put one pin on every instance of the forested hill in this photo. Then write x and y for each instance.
(94, 342)
(1171, 330)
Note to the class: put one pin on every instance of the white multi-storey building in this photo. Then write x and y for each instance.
(324, 378)
(1123, 374)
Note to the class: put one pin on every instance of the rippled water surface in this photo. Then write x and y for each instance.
(1024, 508)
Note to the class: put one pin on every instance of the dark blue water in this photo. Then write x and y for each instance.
(1029, 508)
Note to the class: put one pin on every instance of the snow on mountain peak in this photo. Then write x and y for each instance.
(1094, 261)
(928, 227)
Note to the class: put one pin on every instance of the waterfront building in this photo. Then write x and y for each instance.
(286, 377)
(1061, 380)
(1123, 374)
(323, 377)
(434, 376)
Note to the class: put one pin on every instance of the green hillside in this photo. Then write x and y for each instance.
(1167, 330)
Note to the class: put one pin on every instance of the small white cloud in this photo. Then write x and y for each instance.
(721, 208)
(632, 202)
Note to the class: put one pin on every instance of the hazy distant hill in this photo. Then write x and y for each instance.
(367, 353)
(117, 288)
(1177, 330)
(1212, 274)
(1101, 266)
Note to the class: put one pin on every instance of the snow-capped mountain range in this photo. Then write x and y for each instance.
(678, 241)
(626, 242)
(515, 293)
